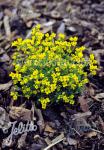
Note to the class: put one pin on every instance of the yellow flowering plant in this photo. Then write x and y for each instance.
(50, 68)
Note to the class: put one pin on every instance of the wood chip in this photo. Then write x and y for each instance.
(40, 122)
(91, 134)
(20, 113)
(5, 123)
(7, 27)
(82, 115)
(83, 104)
(102, 123)
(22, 140)
(72, 141)
(49, 129)
(6, 86)
(100, 96)
(55, 141)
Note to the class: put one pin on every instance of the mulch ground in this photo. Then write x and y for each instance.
(60, 127)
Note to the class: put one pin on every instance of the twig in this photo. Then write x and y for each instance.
(55, 141)
(76, 131)
(97, 131)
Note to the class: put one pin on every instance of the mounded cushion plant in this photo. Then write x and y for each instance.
(50, 68)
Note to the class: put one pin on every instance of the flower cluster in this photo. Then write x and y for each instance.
(51, 68)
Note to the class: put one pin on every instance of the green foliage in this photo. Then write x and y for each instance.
(51, 68)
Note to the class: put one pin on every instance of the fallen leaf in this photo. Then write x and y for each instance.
(91, 134)
(4, 58)
(101, 122)
(82, 115)
(83, 104)
(5, 86)
(21, 141)
(5, 123)
(91, 90)
(49, 129)
(72, 141)
(99, 96)
(20, 113)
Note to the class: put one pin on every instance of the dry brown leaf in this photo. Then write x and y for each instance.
(49, 129)
(99, 96)
(82, 115)
(7, 2)
(5, 86)
(83, 104)
(101, 122)
(91, 91)
(91, 134)
(20, 113)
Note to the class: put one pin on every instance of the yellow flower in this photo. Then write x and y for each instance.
(73, 43)
(47, 35)
(15, 43)
(36, 86)
(64, 84)
(80, 55)
(53, 87)
(72, 66)
(35, 92)
(73, 86)
(91, 56)
(55, 80)
(93, 72)
(82, 48)
(65, 98)
(25, 80)
(72, 102)
(80, 84)
(47, 91)
(35, 72)
(33, 57)
(41, 56)
(41, 75)
(44, 102)
(62, 36)
(37, 82)
(14, 95)
(38, 26)
(74, 76)
(71, 38)
(85, 81)
(17, 67)
(57, 69)
(92, 67)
